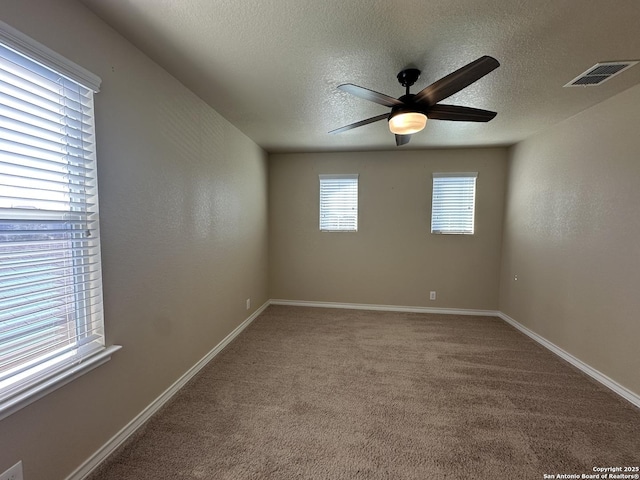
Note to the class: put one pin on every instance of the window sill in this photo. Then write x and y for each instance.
(21, 400)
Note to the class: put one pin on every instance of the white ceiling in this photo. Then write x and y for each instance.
(271, 67)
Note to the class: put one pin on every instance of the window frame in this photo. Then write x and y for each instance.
(351, 226)
(459, 223)
(51, 374)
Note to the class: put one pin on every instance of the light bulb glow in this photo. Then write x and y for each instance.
(407, 123)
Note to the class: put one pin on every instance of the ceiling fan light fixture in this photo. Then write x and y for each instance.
(406, 123)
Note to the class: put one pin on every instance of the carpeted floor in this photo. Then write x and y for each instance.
(314, 393)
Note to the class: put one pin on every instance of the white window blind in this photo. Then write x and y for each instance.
(453, 203)
(339, 203)
(50, 276)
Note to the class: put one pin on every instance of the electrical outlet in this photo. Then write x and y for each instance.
(14, 473)
(248, 307)
(432, 295)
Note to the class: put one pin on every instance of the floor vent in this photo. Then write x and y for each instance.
(599, 73)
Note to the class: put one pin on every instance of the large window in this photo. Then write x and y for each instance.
(453, 203)
(50, 282)
(339, 203)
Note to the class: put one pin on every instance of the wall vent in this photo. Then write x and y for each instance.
(600, 73)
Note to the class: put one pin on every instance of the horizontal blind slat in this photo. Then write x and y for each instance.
(66, 157)
(40, 114)
(45, 175)
(46, 185)
(59, 164)
(19, 119)
(25, 142)
(59, 274)
(23, 317)
(65, 106)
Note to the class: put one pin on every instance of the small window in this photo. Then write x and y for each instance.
(453, 203)
(339, 203)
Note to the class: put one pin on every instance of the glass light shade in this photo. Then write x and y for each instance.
(407, 123)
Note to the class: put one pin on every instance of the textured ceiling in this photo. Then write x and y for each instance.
(271, 67)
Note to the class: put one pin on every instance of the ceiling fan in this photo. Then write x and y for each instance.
(409, 112)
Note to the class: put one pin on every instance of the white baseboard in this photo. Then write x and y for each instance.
(385, 308)
(119, 438)
(576, 362)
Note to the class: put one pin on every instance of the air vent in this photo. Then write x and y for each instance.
(600, 73)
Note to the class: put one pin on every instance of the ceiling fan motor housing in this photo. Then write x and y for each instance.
(408, 106)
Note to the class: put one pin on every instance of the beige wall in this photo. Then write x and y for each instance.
(393, 259)
(572, 235)
(183, 200)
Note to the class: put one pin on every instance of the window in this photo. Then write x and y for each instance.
(51, 326)
(339, 203)
(453, 203)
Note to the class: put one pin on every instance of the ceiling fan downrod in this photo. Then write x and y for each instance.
(408, 77)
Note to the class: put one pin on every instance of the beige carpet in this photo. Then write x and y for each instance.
(313, 393)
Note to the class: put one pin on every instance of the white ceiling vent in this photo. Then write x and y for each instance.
(600, 73)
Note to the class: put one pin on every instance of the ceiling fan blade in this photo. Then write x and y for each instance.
(456, 81)
(402, 140)
(457, 113)
(370, 95)
(360, 123)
